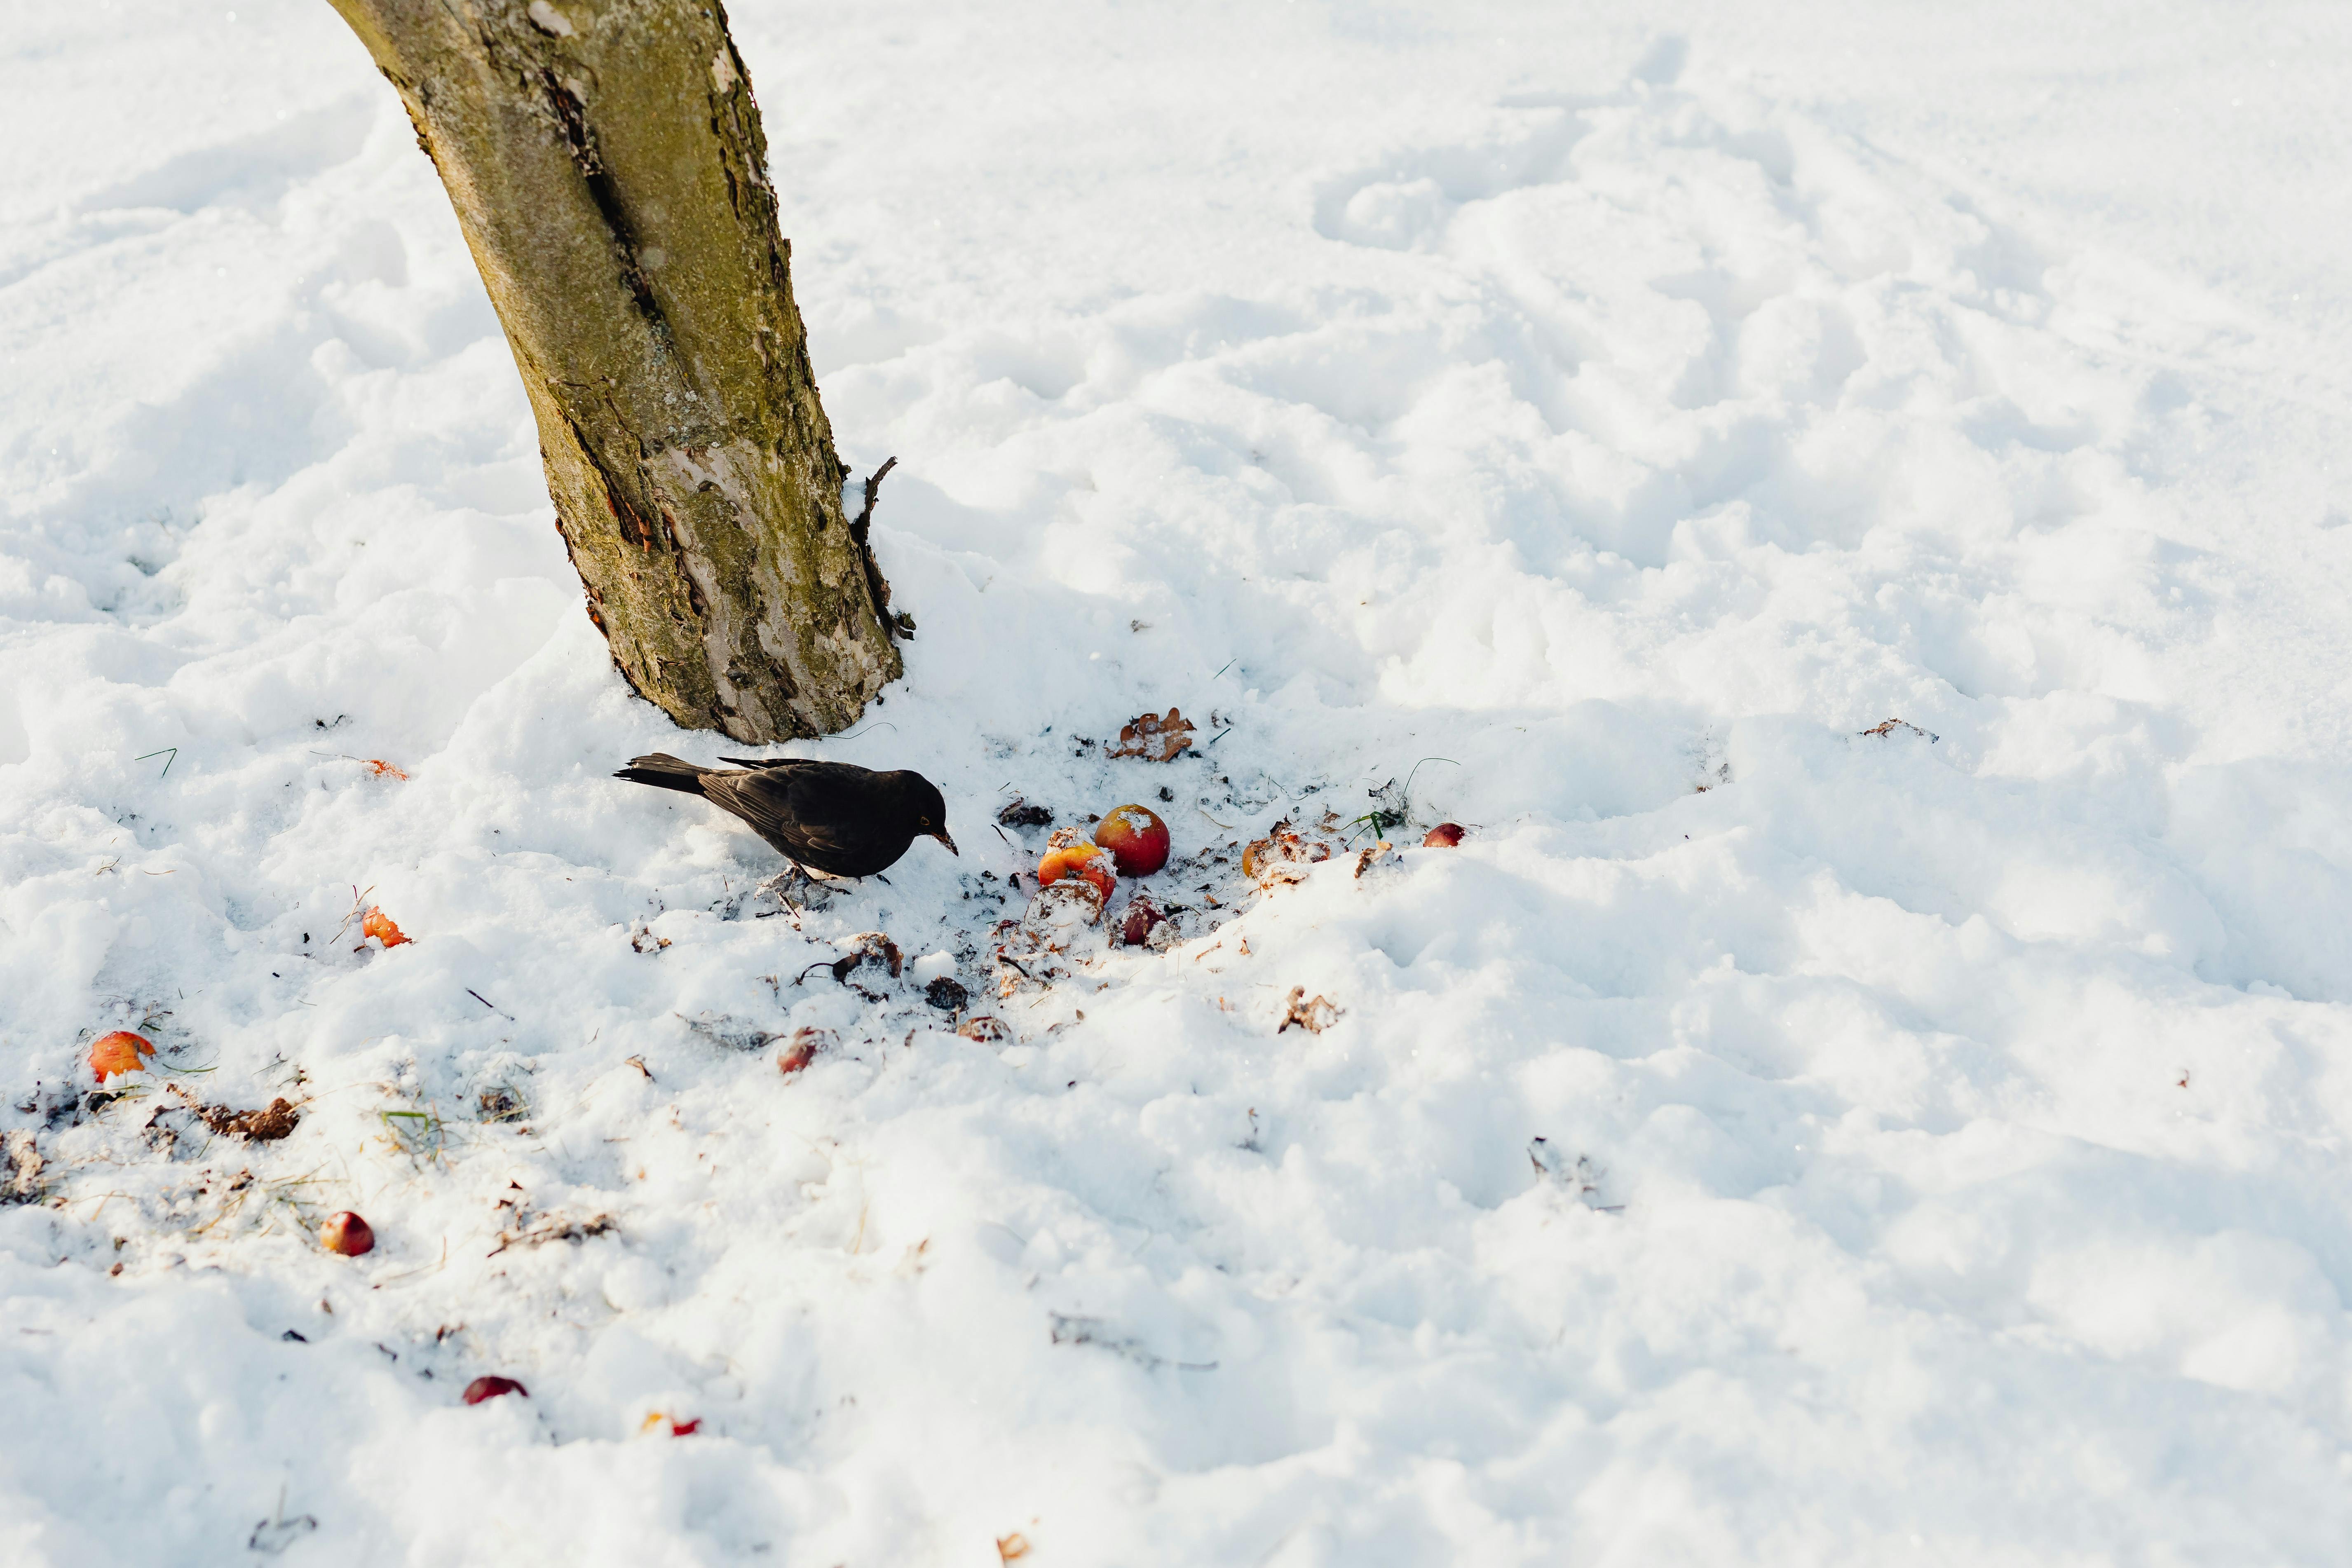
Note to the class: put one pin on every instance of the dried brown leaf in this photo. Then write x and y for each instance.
(1313, 1015)
(1155, 737)
(20, 1168)
(1282, 857)
(266, 1125)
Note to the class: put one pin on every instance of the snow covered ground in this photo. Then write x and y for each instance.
(1943, 1140)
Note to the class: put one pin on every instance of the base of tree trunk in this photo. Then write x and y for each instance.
(607, 166)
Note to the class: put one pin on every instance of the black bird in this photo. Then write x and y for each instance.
(834, 818)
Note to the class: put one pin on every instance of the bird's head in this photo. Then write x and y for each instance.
(929, 809)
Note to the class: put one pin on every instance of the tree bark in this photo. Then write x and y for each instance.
(607, 166)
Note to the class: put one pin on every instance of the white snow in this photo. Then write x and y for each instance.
(1760, 1142)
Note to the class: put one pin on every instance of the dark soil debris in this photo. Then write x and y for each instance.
(1021, 814)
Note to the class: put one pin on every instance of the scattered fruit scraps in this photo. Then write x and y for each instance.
(1086, 862)
(119, 1052)
(802, 1048)
(483, 1388)
(379, 926)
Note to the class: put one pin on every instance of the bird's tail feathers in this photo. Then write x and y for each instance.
(663, 771)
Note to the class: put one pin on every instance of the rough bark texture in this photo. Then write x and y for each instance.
(606, 162)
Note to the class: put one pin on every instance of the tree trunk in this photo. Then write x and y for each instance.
(607, 166)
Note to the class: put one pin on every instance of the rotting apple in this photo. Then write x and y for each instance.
(1135, 922)
(490, 1387)
(379, 926)
(119, 1052)
(1136, 838)
(1444, 835)
(1088, 863)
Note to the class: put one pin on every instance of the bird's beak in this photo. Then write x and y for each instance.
(942, 836)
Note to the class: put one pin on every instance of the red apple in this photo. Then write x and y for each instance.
(1444, 835)
(347, 1234)
(119, 1052)
(1136, 839)
(483, 1388)
(1134, 921)
(1086, 863)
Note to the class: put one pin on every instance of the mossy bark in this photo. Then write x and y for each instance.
(606, 162)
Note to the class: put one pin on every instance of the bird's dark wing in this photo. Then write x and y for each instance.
(823, 814)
